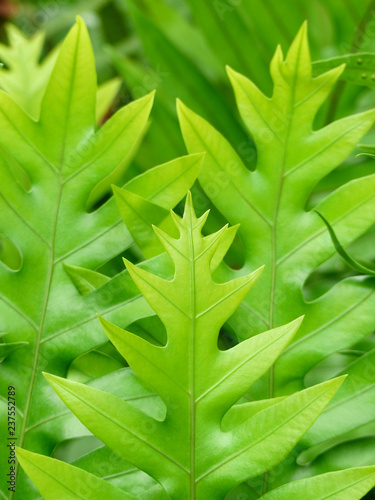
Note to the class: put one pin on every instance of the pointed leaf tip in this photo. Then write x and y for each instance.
(23, 455)
(299, 49)
(260, 269)
(180, 105)
(128, 265)
(151, 95)
(53, 380)
(295, 324)
(279, 52)
(299, 320)
(80, 20)
(115, 188)
(303, 31)
(176, 218)
(338, 381)
(126, 261)
(101, 319)
(162, 235)
(231, 72)
(189, 206)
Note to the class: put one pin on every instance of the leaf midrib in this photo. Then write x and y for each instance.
(273, 229)
(192, 360)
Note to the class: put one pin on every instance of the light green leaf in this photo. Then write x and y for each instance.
(86, 280)
(26, 78)
(50, 169)
(344, 485)
(270, 202)
(146, 199)
(188, 452)
(92, 365)
(56, 479)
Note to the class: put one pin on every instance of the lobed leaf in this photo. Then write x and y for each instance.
(26, 78)
(270, 202)
(188, 451)
(57, 231)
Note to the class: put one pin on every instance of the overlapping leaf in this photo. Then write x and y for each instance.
(206, 443)
(55, 232)
(243, 34)
(26, 77)
(270, 205)
(341, 486)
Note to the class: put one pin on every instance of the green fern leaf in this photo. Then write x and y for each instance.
(269, 203)
(26, 78)
(200, 449)
(53, 240)
(84, 486)
(341, 486)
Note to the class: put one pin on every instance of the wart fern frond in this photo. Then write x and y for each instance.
(54, 237)
(277, 230)
(207, 443)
